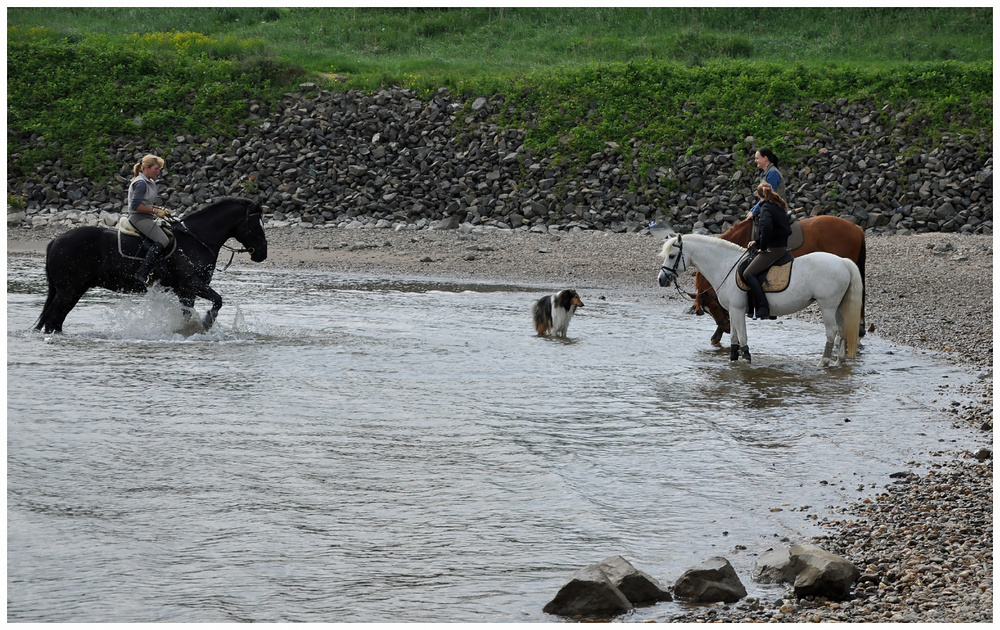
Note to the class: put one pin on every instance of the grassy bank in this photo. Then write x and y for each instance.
(499, 41)
(79, 77)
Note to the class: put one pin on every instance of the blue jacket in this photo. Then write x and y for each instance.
(773, 177)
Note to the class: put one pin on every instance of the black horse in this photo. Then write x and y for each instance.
(88, 257)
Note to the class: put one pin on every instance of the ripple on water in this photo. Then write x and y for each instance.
(369, 449)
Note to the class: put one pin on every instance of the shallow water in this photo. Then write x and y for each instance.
(367, 449)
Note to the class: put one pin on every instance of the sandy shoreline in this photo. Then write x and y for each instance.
(930, 291)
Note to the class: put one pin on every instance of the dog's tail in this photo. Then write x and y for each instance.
(541, 313)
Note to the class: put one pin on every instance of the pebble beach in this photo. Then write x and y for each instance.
(924, 544)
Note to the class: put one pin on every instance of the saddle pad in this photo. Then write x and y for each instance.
(138, 250)
(777, 276)
(796, 239)
(125, 227)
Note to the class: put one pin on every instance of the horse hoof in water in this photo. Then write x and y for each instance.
(207, 322)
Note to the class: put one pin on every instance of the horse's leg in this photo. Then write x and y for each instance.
(187, 306)
(208, 293)
(62, 303)
(738, 335)
(831, 314)
(839, 343)
(717, 337)
(827, 354)
(47, 309)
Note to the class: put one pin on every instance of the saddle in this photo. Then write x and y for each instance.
(777, 275)
(796, 239)
(136, 250)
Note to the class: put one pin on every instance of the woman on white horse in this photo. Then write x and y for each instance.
(833, 283)
(771, 230)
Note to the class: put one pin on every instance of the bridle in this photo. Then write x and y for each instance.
(672, 271)
(259, 213)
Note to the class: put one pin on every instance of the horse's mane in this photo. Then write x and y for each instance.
(698, 238)
(738, 232)
(215, 203)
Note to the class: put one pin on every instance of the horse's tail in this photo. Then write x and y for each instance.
(44, 317)
(850, 307)
(862, 255)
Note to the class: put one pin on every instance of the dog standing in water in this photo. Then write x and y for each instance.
(553, 312)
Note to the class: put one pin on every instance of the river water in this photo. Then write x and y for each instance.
(347, 449)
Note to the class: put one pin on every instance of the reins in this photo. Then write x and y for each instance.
(232, 250)
(680, 254)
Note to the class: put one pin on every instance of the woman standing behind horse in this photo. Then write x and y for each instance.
(142, 195)
(771, 232)
(767, 162)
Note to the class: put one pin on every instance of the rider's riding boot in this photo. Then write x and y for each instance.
(144, 273)
(763, 312)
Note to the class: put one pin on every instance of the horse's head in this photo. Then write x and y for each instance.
(673, 260)
(705, 299)
(250, 233)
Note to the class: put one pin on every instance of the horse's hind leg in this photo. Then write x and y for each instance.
(56, 309)
(827, 354)
(46, 310)
(834, 323)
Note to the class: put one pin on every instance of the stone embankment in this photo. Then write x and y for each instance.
(393, 160)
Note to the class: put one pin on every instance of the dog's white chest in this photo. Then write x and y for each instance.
(560, 319)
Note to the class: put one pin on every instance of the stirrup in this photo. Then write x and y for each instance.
(146, 279)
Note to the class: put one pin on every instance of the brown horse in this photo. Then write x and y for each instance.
(820, 234)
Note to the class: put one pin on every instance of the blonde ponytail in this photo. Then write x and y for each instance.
(147, 160)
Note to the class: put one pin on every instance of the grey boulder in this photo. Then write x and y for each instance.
(714, 580)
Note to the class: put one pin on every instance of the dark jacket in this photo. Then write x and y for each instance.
(772, 227)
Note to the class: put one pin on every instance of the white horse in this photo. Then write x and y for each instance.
(834, 283)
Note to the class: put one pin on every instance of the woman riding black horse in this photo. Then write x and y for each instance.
(87, 257)
(140, 202)
(770, 233)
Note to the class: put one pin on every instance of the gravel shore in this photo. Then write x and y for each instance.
(924, 545)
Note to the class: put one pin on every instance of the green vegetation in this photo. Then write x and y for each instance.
(81, 91)
(666, 77)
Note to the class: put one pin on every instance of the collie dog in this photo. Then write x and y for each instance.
(553, 312)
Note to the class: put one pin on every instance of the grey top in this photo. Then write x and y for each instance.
(142, 190)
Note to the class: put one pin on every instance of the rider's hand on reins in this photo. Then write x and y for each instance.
(161, 212)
